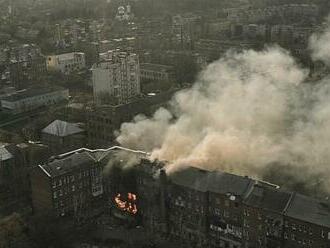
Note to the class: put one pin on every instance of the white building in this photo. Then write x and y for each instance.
(124, 14)
(67, 62)
(116, 78)
(31, 99)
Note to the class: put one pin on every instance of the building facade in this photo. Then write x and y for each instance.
(32, 99)
(61, 136)
(66, 63)
(191, 207)
(116, 78)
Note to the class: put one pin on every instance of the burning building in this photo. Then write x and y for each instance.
(192, 206)
(74, 185)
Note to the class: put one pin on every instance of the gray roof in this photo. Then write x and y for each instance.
(27, 93)
(68, 162)
(190, 178)
(156, 67)
(62, 166)
(62, 128)
(309, 210)
(5, 154)
(267, 198)
(221, 182)
(212, 181)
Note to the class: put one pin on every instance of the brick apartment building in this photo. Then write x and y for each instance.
(72, 185)
(191, 207)
(16, 161)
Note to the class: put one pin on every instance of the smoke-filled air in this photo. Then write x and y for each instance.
(250, 113)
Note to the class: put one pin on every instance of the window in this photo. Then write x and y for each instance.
(322, 234)
(310, 231)
(285, 236)
(55, 195)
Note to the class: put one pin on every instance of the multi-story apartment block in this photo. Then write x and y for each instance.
(30, 70)
(74, 184)
(16, 160)
(116, 78)
(192, 207)
(263, 218)
(307, 223)
(32, 99)
(69, 185)
(156, 72)
(66, 63)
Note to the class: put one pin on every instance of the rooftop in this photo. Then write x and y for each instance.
(309, 210)
(155, 67)
(212, 181)
(267, 198)
(68, 56)
(82, 158)
(27, 93)
(62, 128)
(5, 154)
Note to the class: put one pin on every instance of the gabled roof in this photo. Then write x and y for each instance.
(62, 128)
(5, 154)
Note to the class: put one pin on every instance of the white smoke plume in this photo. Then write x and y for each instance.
(246, 113)
(319, 44)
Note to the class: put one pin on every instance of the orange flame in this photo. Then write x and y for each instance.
(129, 205)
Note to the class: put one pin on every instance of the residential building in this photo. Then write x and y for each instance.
(307, 223)
(193, 207)
(16, 160)
(32, 70)
(156, 72)
(156, 77)
(34, 98)
(66, 63)
(73, 184)
(116, 78)
(263, 220)
(61, 136)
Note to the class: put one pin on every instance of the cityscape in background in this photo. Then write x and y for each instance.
(164, 123)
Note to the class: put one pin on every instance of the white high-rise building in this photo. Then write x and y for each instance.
(116, 78)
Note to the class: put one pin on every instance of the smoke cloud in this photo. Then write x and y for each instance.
(319, 44)
(249, 113)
